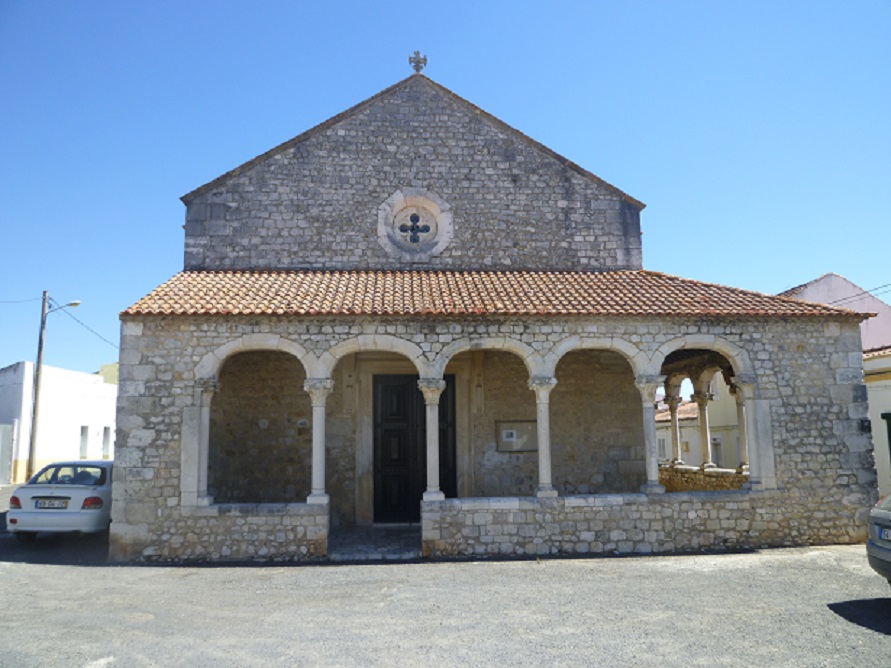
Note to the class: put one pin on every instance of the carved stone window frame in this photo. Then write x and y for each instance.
(393, 242)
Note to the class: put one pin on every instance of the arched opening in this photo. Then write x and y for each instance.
(503, 456)
(260, 436)
(597, 437)
(700, 424)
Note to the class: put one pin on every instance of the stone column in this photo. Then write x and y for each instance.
(647, 386)
(432, 389)
(705, 436)
(208, 388)
(542, 386)
(318, 390)
(673, 403)
(738, 394)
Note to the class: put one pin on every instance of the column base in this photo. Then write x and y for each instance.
(708, 465)
(318, 499)
(547, 492)
(435, 495)
(652, 488)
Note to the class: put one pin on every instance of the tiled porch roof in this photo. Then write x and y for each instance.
(461, 293)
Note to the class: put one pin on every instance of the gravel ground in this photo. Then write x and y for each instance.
(790, 607)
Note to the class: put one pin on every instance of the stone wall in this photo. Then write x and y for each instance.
(315, 203)
(695, 479)
(806, 375)
(627, 524)
(230, 532)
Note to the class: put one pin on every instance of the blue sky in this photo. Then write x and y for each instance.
(757, 133)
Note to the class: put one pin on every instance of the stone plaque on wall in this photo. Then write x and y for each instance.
(516, 436)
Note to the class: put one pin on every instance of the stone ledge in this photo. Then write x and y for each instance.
(255, 510)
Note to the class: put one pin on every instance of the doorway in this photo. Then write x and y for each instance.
(400, 450)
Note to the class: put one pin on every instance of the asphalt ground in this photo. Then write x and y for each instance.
(63, 606)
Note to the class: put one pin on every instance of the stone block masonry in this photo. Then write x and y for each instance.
(627, 524)
(235, 532)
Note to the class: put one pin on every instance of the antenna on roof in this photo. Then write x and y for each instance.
(417, 61)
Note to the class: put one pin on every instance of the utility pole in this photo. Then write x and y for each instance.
(38, 371)
(32, 447)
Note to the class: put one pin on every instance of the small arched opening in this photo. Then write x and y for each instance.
(260, 435)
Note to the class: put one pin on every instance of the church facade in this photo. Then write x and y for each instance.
(413, 313)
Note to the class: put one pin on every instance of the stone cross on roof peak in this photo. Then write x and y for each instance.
(417, 61)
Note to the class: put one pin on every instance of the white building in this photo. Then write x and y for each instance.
(76, 419)
(877, 374)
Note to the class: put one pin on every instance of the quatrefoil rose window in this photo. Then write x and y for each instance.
(414, 225)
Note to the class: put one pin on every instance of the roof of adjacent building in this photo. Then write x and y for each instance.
(687, 410)
(463, 293)
(412, 79)
(877, 352)
(798, 289)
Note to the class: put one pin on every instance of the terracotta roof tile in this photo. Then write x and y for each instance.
(687, 410)
(459, 293)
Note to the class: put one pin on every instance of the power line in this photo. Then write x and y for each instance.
(86, 327)
(20, 301)
(882, 289)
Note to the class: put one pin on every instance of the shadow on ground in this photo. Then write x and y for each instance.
(59, 549)
(870, 613)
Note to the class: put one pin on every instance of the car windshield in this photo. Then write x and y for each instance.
(70, 474)
(885, 504)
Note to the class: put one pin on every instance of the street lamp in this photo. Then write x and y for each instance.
(32, 448)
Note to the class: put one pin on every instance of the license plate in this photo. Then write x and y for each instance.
(52, 503)
(885, 534)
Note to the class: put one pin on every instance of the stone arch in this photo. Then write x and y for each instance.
(261, 423)
(208, 369)
(598, 436)
(736, 356)
(535, 364)
(634, 356)
(324, 366)
(196, 419)
(725, 420)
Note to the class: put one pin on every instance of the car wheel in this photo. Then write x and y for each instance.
(25, 536)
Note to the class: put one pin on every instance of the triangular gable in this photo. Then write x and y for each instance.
(413, 80)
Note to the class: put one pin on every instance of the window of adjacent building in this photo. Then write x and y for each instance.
(84, 442)
(106, 443)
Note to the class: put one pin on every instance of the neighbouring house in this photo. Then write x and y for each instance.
(875, 333)
(835, 290)
(76, 419)
(877, 373)
(413, 313)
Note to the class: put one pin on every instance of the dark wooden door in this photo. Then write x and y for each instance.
(400, 461)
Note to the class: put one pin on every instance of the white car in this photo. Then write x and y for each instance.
(878, 547)
(63, 497)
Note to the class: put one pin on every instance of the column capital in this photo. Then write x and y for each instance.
(647, 385)
(431, 388)
(702, 398)
(742, 389)
(673, 402)
(542, 385)
(318, 389)
(207, 386)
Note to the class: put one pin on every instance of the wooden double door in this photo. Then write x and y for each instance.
(400, 447)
